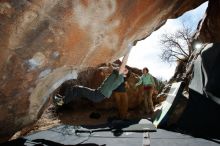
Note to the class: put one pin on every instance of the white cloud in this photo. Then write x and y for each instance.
(146, 52)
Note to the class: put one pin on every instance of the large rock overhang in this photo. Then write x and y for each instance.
(45, 42)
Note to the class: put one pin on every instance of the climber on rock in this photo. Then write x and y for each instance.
(70, 93)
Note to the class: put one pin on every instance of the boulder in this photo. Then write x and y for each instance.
(209, 28)
(46, 42)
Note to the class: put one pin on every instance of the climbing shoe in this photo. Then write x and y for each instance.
(58, 100)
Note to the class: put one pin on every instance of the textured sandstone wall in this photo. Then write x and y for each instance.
(210, 26)
(45, 42)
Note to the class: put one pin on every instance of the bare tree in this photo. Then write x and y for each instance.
(177, 46)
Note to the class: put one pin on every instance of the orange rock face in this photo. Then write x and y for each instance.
(46, 42)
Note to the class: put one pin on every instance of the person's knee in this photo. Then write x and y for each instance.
(97, 96)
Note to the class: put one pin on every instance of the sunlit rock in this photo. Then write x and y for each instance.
(46, 42)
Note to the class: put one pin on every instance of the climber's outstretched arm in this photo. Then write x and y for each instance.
(124, 61)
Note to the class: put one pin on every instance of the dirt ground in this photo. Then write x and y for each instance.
(85, 115)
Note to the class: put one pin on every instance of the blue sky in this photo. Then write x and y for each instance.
(146, 52)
